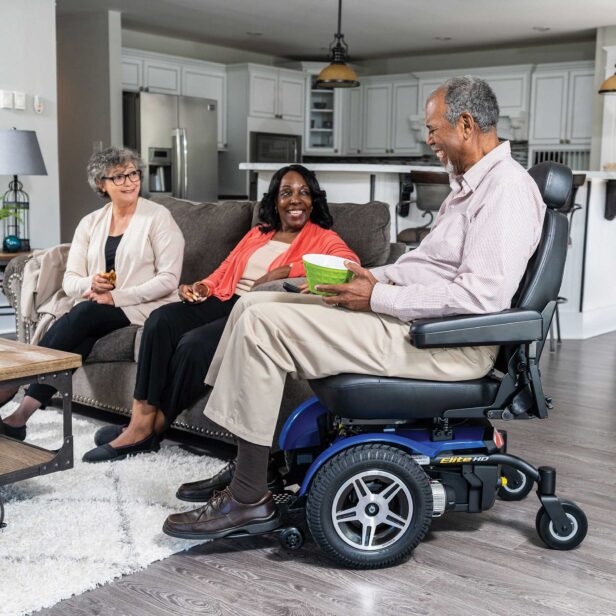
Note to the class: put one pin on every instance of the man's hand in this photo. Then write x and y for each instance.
(354, 295)
(278, 273)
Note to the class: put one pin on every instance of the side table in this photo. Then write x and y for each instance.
(24, 363)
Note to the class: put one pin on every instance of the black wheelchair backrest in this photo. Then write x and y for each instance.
(543, 276)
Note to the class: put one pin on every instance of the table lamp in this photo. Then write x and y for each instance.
(20, 154)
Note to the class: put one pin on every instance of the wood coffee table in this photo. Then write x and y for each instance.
(24, 363)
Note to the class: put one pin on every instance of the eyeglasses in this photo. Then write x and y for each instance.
(120, 178)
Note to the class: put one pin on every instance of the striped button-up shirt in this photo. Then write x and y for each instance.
(474, 257)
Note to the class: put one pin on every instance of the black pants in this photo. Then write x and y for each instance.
(76, 332)
(177, 347)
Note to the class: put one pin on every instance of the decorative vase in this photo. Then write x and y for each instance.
(11, 243)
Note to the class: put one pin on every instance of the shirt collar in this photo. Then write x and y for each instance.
(469, 181)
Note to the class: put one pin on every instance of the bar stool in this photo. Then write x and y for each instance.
(431, 188)
(569, 209)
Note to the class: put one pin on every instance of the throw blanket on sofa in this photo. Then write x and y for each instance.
(42, 298)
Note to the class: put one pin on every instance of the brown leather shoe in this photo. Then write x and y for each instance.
(201, 491)
(222, 515)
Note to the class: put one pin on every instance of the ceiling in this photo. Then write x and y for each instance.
(303, 29)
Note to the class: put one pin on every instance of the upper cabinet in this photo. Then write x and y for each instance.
(561, 104)
(165, 74)
(323, 132)
(352, 129)
(388, 104)
(276, 93)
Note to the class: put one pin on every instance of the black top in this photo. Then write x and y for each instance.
(111, 247)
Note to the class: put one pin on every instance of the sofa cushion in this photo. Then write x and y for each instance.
(116, 346)
(211, 232)
(363, 226)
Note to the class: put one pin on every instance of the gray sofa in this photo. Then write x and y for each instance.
(211, 230)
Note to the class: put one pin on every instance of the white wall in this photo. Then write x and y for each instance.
(561, 52)
(191, 49)
(28, 64)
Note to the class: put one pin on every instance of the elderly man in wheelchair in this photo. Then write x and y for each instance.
(409, 363)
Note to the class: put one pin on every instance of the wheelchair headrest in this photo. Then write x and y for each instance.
(554, 181)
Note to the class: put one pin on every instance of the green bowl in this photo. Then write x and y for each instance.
(325, 269)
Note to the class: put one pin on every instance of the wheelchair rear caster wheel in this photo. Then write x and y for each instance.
(517, 487)
(2, 524)
(369, 506)
(291, 538)
(553, 539)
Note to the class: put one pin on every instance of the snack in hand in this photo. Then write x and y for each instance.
(109, 276)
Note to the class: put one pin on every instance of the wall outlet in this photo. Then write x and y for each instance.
(6, 99)
(19, 99)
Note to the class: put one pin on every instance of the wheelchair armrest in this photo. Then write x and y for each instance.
(513, 326)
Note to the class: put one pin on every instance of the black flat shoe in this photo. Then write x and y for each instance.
(18, 434)
(107, 453)
(106, 434)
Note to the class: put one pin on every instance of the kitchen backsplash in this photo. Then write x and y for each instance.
(519, 151)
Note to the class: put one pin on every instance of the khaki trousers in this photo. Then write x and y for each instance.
(270, 334)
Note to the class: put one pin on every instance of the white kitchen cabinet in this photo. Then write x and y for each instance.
(162, 77)
(208, 81)
(352, 127)
(132, 74)
(323, 132)
(561, 104)
(387, 106)
(276, 93)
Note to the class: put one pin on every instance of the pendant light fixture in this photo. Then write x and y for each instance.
(609, 85)
(338, 74)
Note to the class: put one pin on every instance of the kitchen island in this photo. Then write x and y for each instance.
(589, 282)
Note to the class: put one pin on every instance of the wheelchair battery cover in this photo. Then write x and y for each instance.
(514, 326)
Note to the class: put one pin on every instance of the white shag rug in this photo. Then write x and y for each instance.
(71, 531)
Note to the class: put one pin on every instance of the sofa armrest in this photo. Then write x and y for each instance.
(513, 326)
(396, 250)
(11, 284)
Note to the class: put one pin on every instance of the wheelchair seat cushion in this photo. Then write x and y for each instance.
(358, 396)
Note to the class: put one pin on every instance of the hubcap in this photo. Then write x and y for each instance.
(372, 510)
(574, 529)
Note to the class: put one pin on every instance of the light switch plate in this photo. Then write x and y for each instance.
(19, 100)
(6, 99)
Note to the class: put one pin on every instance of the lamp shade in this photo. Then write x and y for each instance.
(609, 85)
(337, 75)
(20, 153)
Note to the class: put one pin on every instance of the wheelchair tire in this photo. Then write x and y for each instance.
(518, 489)
(549, 536)
(369, 506)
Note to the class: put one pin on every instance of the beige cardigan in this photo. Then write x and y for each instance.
(148, 262)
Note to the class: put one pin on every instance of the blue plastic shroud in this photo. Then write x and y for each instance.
(301, 430)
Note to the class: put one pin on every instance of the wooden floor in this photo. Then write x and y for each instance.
(484, 564)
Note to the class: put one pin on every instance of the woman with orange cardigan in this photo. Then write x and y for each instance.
(179, 340)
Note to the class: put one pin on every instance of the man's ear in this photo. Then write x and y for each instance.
(468, 124)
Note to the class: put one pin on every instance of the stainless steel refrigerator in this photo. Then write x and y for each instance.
(177, 139)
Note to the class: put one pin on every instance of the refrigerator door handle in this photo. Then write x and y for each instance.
(184, 166)
(176, 161)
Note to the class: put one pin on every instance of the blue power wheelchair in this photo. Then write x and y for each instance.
(377, 458)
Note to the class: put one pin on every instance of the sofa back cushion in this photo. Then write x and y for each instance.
(211, 231)
(363, 226)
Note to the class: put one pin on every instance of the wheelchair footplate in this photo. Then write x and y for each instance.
(291, 530)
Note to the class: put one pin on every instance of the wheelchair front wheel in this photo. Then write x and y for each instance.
(553, 539)
(369, 506)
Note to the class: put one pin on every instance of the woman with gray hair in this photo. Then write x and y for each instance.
(124, 262)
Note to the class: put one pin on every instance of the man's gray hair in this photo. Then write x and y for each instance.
(101, 163)
(473, 95)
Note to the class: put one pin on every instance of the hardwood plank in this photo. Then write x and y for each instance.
(489, 563)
